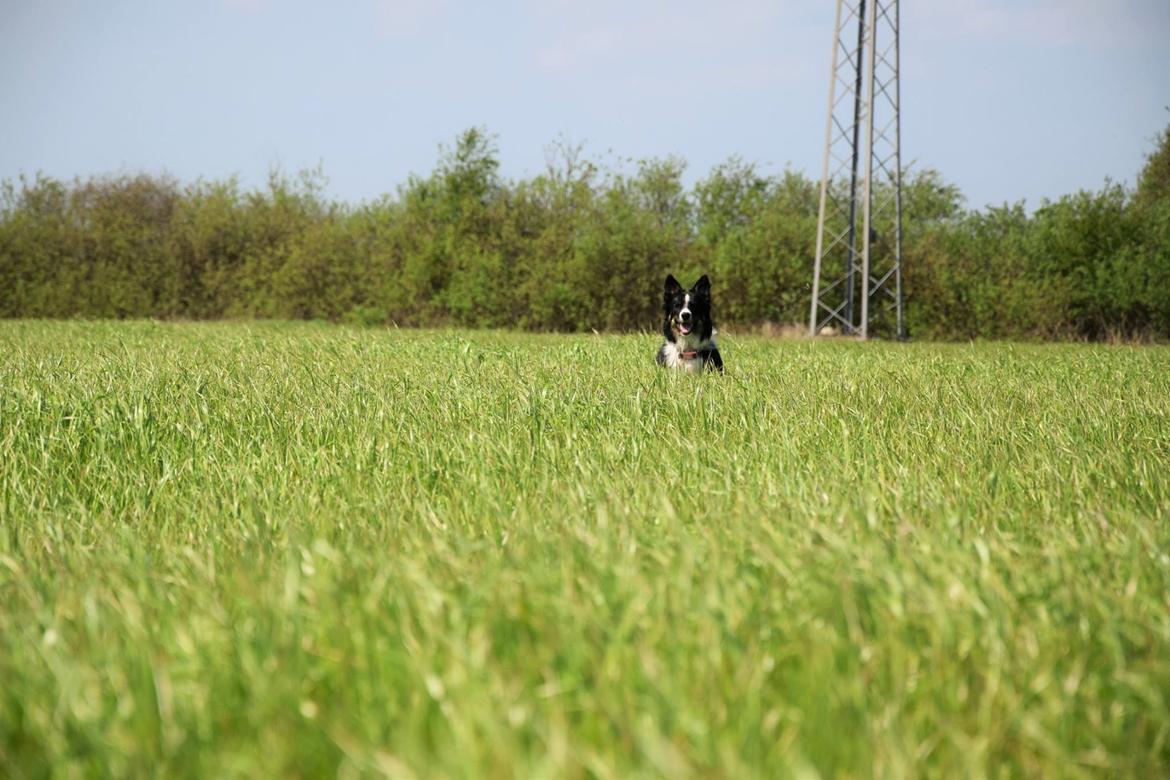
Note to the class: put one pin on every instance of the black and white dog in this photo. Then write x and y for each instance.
(688, 328)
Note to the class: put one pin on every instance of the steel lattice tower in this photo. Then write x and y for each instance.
(858, 271)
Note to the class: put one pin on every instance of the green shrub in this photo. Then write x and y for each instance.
(574, 248)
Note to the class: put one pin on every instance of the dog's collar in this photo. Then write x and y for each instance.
(694, 353)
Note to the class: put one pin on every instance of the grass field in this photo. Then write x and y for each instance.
(270, 550)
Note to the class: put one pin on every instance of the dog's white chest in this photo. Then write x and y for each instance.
(684, 357)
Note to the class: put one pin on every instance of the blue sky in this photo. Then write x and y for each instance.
(1009, 100)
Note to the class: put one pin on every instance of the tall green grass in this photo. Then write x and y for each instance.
(300, 550)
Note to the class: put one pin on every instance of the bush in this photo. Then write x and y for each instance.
(574, 248)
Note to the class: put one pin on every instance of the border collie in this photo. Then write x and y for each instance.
(688, 329)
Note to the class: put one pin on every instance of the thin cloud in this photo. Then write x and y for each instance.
(1049, 23)
(741, 44)
(406, 17)
(247, 6)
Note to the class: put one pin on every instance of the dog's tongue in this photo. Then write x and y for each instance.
(684, 329)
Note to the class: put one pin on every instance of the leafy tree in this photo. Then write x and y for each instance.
(573, 248)
(1154, 180)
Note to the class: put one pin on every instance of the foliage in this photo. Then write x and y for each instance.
(574, 248)
(1154, 182)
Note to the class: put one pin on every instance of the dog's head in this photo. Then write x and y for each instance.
(687, 312)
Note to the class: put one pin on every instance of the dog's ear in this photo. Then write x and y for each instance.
(703, 286)
(672, 289)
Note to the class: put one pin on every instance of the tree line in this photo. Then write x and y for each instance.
(577, 247)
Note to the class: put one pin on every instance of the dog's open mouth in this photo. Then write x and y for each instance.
(684, 329)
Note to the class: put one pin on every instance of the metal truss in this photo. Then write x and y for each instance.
(858, 271)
